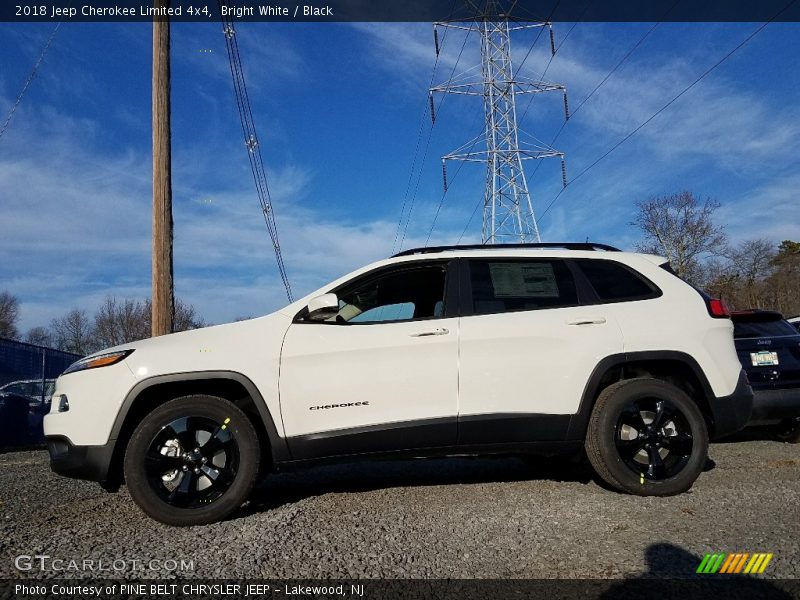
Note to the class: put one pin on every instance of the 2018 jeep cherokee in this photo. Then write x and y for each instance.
(546, 348)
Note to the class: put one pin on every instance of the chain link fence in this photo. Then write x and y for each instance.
(27, 378)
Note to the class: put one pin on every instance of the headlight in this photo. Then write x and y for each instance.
(101, 360)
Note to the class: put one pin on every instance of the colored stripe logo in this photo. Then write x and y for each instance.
(735, 562)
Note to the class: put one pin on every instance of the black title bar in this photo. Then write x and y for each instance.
(402, 10)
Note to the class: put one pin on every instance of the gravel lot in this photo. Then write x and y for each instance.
(441, 518)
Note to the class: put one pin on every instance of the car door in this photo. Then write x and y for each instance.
(527, 349)
(382, 375)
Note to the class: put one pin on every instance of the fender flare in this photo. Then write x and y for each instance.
(278, 446)
(580, 420)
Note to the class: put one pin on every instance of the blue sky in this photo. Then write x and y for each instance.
(338, 108)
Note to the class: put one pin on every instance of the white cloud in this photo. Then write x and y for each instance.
(77, 228)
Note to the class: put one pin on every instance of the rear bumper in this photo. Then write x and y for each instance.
(731, 413)
(80, 462)
(775, 404)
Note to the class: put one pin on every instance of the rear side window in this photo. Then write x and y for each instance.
(756, 329)
(614, 282)
(514, 285)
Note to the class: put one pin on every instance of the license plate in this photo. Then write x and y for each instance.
(764, 358)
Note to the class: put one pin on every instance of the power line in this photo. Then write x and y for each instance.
(547, 68)
(30, 79)
(475, 141)
(508, 210)
(440, 47)
(450, 183)
(428, 143)
(603, 81)
(538, 35)
(252, 143)
(444, 194)
(668, 104)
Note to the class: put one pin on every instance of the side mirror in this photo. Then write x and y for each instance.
(323, 307)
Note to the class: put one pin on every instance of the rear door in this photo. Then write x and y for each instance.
(527, 349)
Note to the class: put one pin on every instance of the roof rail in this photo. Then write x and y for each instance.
(564, 245)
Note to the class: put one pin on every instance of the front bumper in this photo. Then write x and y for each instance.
(731, 413)
(775, 404)
(81, 462)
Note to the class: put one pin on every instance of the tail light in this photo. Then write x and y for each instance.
(717, 308)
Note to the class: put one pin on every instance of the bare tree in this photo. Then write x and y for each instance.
(73, 333)
(682, 229)
(784, 283)
(118, 322)
(39, 336)
(9, 313)
(186, 317)
(121, 321)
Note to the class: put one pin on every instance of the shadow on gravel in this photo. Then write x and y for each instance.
(284, 488)
(677, 569)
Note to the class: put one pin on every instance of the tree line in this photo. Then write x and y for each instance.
(116, 321)
(753, 273)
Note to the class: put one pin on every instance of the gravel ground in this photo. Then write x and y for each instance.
(438, 518)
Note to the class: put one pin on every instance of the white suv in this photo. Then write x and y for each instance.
(537, 348)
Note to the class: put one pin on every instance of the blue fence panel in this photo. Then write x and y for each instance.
(27, 380)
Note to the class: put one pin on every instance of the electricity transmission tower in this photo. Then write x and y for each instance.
(507, 207)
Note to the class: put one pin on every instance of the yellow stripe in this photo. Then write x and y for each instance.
(765, 563)
(741, 562)
(727, 562)
(753, 564)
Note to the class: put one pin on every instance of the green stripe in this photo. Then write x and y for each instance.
(719, 562)
(701, 568)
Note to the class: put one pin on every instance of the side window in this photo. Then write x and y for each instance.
(399, 295)
(513, 285)
(614, 282)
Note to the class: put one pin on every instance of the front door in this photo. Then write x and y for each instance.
(382, 375)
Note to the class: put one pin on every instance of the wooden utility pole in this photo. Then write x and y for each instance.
(163, 304)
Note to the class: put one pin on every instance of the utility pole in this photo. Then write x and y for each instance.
(508, 214)
(163, 302)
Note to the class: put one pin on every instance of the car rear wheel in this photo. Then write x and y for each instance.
(789, 431)
(647, 437)
(192, 461)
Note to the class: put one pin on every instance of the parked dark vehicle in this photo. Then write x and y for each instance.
(795, 321)
(23, 405)
(769, 349)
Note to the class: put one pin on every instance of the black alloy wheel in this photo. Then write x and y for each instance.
(653, 438)
(647, 437)
(192, 461)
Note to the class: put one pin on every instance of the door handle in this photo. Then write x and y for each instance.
(597, 321)
(440, 331)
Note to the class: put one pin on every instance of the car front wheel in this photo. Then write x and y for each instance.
(192, 461)
(647, 437)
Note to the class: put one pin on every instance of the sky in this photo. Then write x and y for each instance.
(341, 111)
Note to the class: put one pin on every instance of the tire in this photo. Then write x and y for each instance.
(789, 431)
(192, 461)
(647, 437)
